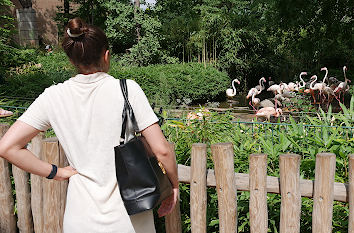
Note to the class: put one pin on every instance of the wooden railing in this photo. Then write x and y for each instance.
(38, 202)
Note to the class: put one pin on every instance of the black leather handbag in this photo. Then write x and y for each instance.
(142, 180)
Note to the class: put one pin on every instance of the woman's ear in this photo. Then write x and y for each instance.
(106, 57)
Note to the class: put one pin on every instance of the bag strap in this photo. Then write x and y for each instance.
(127, 112)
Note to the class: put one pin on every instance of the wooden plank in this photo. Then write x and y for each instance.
(173, 222)
(351, 194)
(7, 216)
(223, 157)
(37, 187)
(290, 209)
(23, 197)
(323, 193)
(273, 183)
(63, 162)
(258, 193)
(51, 190)
(198, 191)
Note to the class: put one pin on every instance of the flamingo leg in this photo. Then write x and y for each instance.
(253, 107)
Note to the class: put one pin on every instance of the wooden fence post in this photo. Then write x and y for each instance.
(7, 216)
(63, 162)
(290, 193)
(51, 189)
(37, 186)
(323, 193)
(258, 193)
(173, 222)
(351, 194)
(223, 156)
(198, 193)
(23, 197)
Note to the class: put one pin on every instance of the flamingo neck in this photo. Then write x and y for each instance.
(313, 82)
(324, 79)
(302, 81)
(260, 82)
(233, 87)
(345, 77)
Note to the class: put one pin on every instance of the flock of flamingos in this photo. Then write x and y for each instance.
(322, 92)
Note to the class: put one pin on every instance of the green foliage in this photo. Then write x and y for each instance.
(164, 84)
(273, 139)
(122, 25)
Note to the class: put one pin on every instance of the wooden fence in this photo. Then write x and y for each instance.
(37, 202)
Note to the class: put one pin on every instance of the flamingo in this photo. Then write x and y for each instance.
(275, 88)
(270, 82)
(269, 111)
(261, 82)
(292, 86)
(317, 86)
(343, 86)
(252, 93)
(255, 101)
(232, 92)
(5, 113)
(302, 83)
(330, 94)
(325, 77)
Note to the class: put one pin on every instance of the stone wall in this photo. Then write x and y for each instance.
(27, 26)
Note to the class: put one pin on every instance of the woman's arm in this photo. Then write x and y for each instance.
(161, 148)
(12, 149)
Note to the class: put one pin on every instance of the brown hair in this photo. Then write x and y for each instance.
(84, 44)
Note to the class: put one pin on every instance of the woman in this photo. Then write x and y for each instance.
(86, 115)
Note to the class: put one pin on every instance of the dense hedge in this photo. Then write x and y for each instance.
(163, 84)
(166, 83)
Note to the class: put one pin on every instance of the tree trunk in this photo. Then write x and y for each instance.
(66, 7)
(137, 25)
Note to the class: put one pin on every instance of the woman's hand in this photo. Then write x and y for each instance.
(65, 173)
(168, 204)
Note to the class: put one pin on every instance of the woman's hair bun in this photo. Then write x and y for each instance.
(76, 27)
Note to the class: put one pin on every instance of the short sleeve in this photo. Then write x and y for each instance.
(143, 112)
(37, 115)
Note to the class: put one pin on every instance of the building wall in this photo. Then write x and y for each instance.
(45, 13)
(47, 27)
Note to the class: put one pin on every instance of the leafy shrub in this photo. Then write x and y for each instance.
(273, 140)
(166, 83)
(163, 84)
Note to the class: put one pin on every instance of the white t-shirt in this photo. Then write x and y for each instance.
(85, 113)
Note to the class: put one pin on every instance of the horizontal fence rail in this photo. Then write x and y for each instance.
(41, 202)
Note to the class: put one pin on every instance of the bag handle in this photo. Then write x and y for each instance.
(127, 112)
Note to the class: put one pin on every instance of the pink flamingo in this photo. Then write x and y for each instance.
(302, 83)
(232, 92)
(261, 82)
(317, 86)
(343, 86)
(269, 111)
